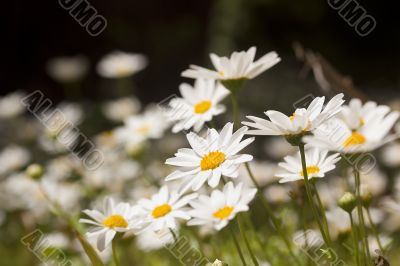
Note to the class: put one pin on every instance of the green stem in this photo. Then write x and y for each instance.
(355, 239)
(235, 109)
(270, 213)
(375, 231)
(237, 246)
(310, 196)
(246, 241)
(363, 235)
(114, 251)
(322, 212)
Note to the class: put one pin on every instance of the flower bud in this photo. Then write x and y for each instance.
(35, 171)
(347, 202)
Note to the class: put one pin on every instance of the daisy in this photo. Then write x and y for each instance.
(222, 206)
(240, 65)
(11, 105)
(198, 105)
(337, 136)
(120, 109)
(355, 114)
(162, 210)
(68, 69)
(301, 122)
(120, 64)
(149, 125)
(117, 218)
(318, 163)
(211, 157)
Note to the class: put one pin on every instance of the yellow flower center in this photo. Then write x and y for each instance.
(221, 73)
(292, 117)
(115, 221)
(161, 211)
(202, 107)
(212, 160)
(313, 169)
(223, 213)
(354, 139)
(143, 130)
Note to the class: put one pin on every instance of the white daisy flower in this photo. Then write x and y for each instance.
(355, 114)
(120, 109)
(211, 157)
(149, 125)
(199, 104)
(68, 69)
(11, 105)
(337, 136)
(240, 65)
(301, 122)
(163, 209)
(318, 163)
(222, 206)
(339, 221)
(117, 218)
(120, 64)
(12, 158)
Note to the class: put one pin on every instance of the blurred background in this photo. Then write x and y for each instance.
(174, 34)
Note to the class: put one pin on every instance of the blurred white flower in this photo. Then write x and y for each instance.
(164, 209)
(337, 136)
(278, 148)
(12, 158)
(309, 238)
(11, 105)
(277, 194)
(115, 171)
(141, 127)
(385, 240)
(199, 104)
(390, 154)
(210, 158)
(120, 109)
(300, 122)
(240, 65)
(221, 206)
(339, 221)
(68, 69)
(120, 64)
(355, 114)
(263, 171)
(67, 195)
(149, 240)
(318, 163)
(115, 218)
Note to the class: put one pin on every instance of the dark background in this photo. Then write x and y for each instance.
(176, 33)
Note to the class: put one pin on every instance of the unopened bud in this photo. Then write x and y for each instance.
(347, 202)
(35, 171)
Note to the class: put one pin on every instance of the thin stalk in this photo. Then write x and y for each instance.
(237, 246)
(173, 235)
(363, 235)
(310, 196)
(322, 211)
(375, 230)
(355, 240)
(114, 251)
(246, 241)
(270, 213)
(235, 109)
